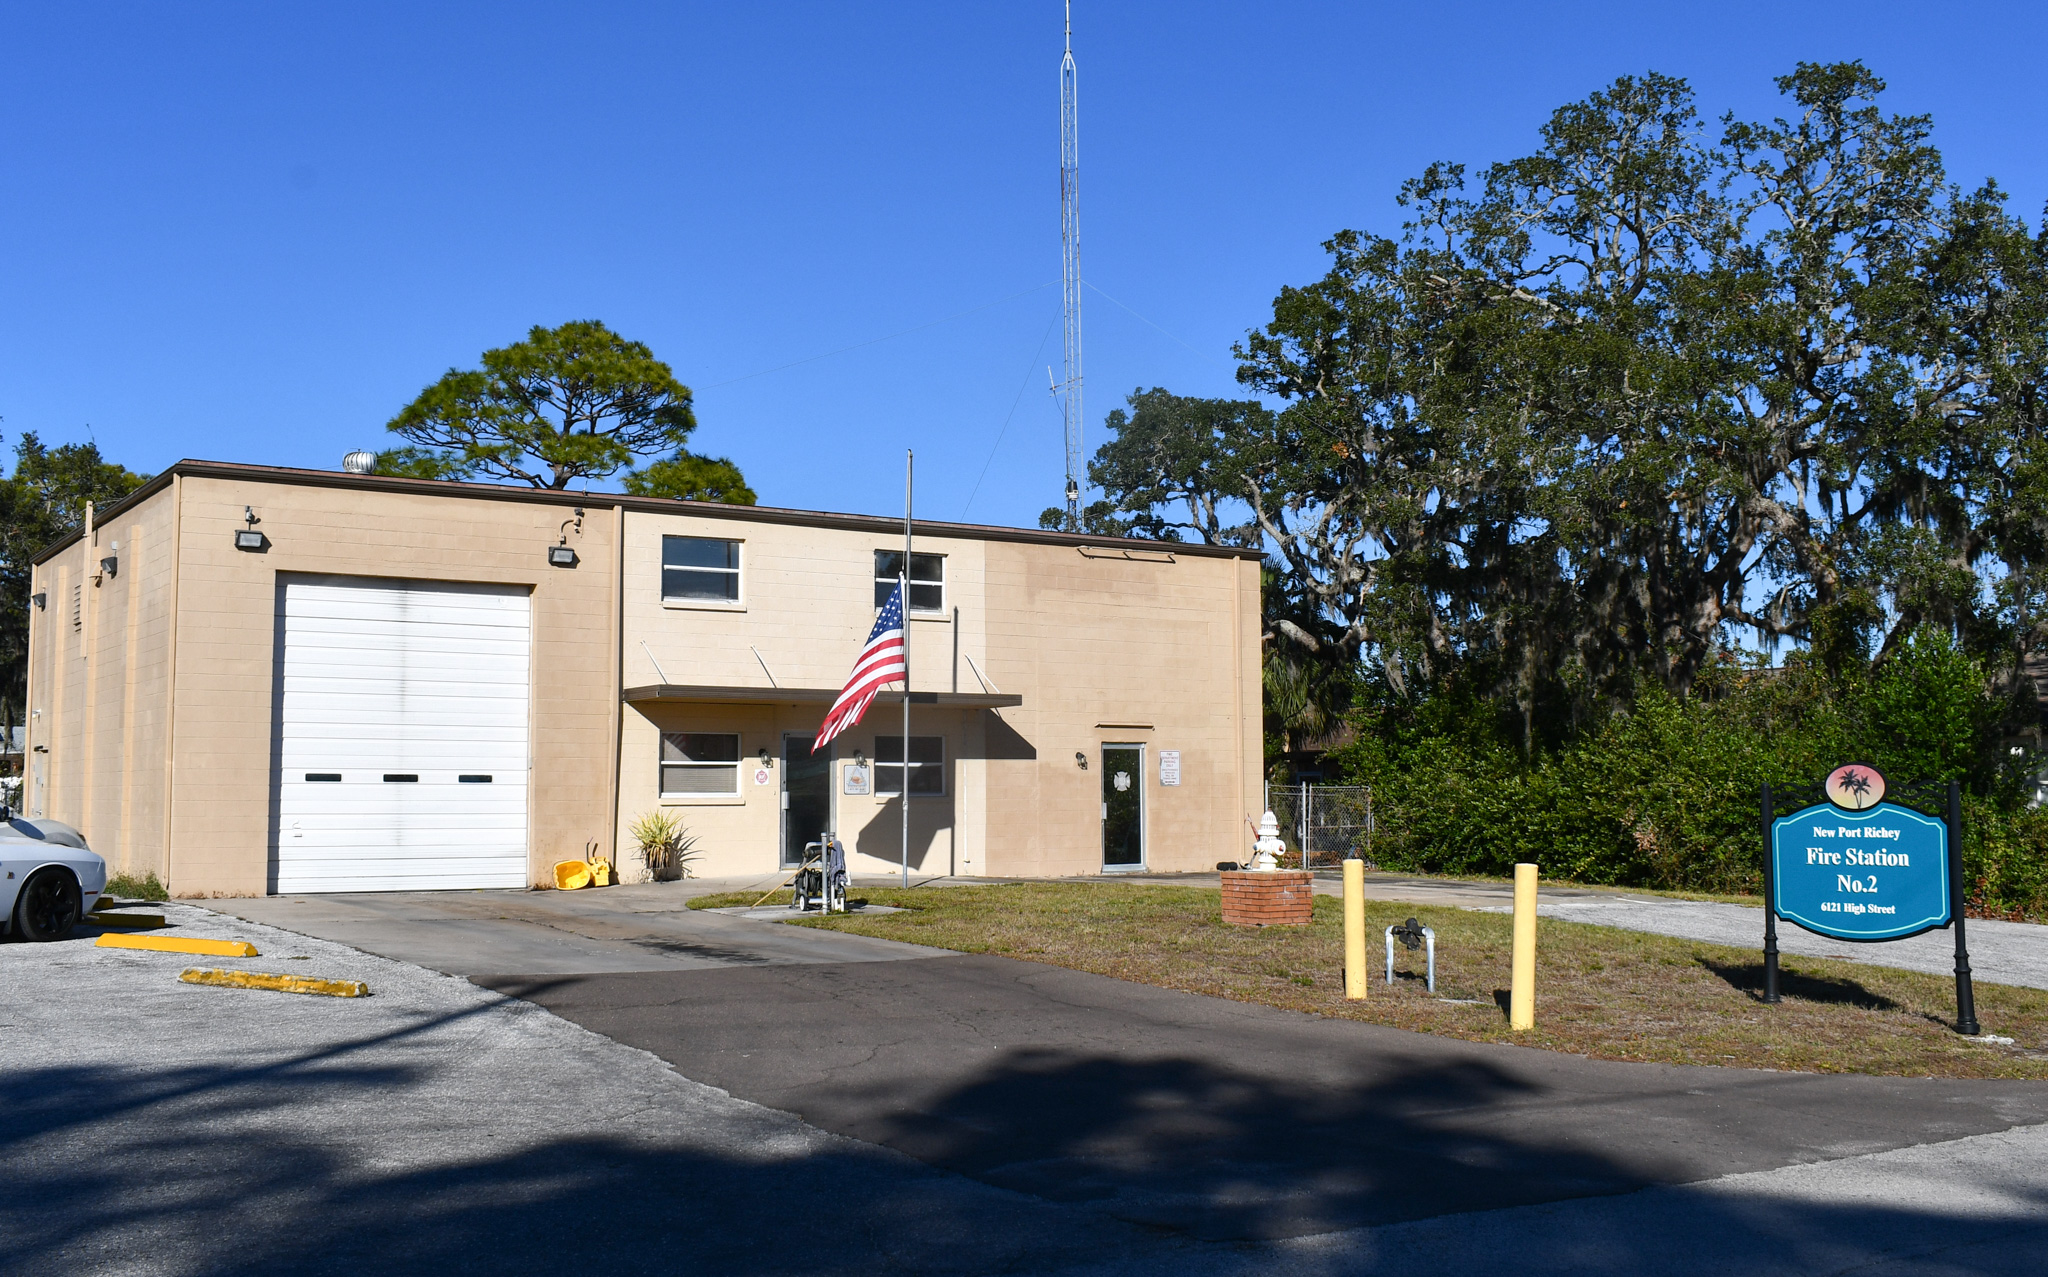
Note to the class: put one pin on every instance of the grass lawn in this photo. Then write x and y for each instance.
(1620, 995)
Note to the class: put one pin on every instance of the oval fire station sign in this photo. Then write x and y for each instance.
(1879, 873)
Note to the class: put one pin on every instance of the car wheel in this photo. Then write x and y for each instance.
(49, 906)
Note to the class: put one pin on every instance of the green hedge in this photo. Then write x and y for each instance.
(1664, 794)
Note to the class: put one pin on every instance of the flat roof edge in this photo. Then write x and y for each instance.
(647, 505)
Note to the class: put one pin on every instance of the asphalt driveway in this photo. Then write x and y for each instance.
(1224, 1120)
(893, 1109)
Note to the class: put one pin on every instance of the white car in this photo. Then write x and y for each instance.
(49, 878)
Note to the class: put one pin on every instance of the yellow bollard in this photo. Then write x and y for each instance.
(1522, 983)
(1354, 928)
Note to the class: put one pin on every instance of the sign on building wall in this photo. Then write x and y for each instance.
(859, 780)
(1169, 767)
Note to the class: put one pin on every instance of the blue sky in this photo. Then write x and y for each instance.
(254, 232)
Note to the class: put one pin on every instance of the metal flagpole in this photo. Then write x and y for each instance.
(903, 589)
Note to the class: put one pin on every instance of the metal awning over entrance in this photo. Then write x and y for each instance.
(657, 692)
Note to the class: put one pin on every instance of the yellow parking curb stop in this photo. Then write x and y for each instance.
(279, 983)
(126, 920)
(179, 944)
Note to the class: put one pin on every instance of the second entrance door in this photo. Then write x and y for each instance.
(806, 796)
(1123, 807)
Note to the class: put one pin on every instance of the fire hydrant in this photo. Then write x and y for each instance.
(1266, 852)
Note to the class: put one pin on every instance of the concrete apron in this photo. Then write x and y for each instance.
(646, 927)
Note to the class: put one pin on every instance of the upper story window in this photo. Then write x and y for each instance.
(927, 579)
(700, 569)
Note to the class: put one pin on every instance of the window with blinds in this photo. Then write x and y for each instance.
(700, 569)
(696, 764)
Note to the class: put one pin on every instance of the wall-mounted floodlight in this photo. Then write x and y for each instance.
(1080, 760)
(859, 759)
(111, 565)
(561, 556)
(764, 755)
(249, 538)
(40, 599)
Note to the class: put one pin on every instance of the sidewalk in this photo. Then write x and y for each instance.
(2000, 952)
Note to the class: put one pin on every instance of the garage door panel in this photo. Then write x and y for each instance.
(423, 875)
(451, 652)
(431, 638)
(500, 745)
(419, 717)
(402, 678)
(456, 813)
(351, 673)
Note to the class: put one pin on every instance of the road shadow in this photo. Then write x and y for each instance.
(1216, 1153)
(202, 1171)
(212, 1171)
(1748, 978)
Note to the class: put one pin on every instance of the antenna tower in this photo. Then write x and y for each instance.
(1070, 276)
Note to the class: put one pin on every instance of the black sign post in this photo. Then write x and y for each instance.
(1966, 997)
(1770, 905)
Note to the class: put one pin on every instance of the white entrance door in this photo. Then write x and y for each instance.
(401, 736)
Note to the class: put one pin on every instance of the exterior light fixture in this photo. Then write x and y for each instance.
(764, 755)
(111, 565)
(560, 555)
(249, 538)
(1080, 760)
(859, 759)
(40, 599)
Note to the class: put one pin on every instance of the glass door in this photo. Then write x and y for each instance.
(1123, 807)
(806, 796)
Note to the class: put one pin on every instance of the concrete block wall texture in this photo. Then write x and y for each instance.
(154, 728)
(1155, 651)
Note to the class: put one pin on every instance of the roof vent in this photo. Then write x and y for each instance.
(359, 462)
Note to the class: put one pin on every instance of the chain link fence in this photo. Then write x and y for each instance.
(1322, 824)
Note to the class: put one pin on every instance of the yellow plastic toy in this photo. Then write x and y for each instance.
(600, 873)
(571, 874)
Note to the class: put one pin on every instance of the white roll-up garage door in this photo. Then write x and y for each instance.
(402, 735)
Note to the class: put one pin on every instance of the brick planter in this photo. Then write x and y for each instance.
(1281, 898)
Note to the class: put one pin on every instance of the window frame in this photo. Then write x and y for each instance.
(738, 573)
(662, 764)
(883, 584)
(921, 766)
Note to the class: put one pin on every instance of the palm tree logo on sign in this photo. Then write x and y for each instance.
(1855, 786)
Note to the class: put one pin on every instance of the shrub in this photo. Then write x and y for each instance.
(665, 845)
(1664, 793)
(129, 887)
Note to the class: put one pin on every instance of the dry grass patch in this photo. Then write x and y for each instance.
(1600, 991)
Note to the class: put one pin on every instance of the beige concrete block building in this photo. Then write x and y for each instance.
(252, 680)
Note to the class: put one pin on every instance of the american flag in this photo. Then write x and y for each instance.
(880, 661)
